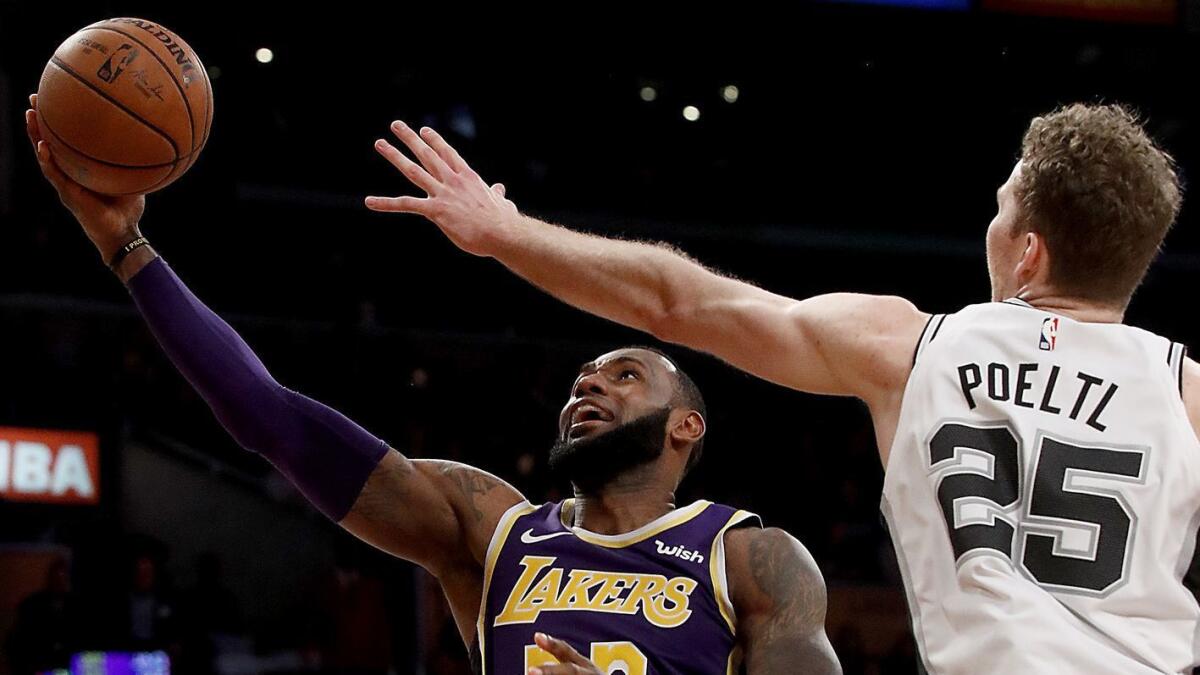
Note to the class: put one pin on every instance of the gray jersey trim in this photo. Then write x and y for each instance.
(931, 330)
(914, 610)
(1175, 359)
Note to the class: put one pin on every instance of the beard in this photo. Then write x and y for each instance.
(592, 462)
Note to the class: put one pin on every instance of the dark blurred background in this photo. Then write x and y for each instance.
(835, 147)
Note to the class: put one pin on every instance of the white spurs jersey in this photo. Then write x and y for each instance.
(1043, 495)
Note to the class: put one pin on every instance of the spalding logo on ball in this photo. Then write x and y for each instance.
(126, 106)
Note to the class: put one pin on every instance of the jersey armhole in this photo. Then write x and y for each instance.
(716, 566)
(500, 535)
(932, 326)
(1175, 359)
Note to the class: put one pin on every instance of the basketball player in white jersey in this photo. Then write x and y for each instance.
(1042, 467)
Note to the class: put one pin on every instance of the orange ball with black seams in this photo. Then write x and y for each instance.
(126, 106)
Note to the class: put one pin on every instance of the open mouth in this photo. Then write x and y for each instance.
(585, 417)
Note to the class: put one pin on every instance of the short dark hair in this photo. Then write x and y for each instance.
(687, 394)
(1103, 195)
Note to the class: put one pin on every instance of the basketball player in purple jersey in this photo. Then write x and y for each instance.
(625, 581)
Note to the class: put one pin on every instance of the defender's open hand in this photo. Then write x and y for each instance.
(473, 215)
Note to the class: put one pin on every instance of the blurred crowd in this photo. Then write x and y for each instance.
(200, 626)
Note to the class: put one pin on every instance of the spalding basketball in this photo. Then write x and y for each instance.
(125, 105)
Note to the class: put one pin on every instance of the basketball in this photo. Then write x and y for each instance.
(126, 106)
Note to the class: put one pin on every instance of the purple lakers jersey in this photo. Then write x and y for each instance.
(649, 602)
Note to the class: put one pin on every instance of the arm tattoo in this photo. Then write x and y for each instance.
(792, 638)
(472, 484)
(782, 575)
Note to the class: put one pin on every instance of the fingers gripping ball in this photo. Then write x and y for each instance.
(125, 105)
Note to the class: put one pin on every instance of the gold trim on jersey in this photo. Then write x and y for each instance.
(665, 522)
(729, 663)
(499, 537)
(716, 570)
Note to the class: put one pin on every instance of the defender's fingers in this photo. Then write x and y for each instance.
(411, 170)
(444, 150)
(429, 159)
(398, 205)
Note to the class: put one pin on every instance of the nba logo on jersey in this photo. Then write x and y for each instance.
(1049, 334)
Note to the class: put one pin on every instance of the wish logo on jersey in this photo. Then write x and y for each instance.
(679, 552)
(1049, 334)
(545, 588)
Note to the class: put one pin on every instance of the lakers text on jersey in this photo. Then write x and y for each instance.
(649, 602)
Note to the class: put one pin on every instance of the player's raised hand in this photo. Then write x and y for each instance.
(457, 200)
(570, 662)
(110, 222)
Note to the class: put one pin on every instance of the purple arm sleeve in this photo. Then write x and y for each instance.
(327, 456)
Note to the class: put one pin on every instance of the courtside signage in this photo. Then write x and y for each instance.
(49, 466)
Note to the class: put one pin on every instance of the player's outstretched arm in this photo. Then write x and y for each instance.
(844, 344)
(438, 514)
(1191, 392)
(779, 598)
